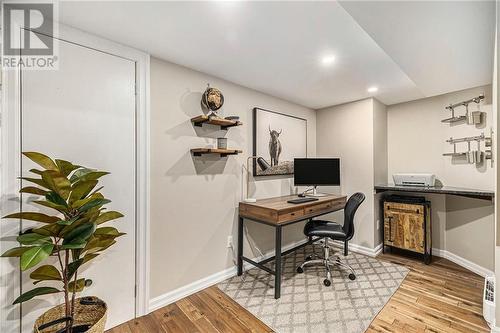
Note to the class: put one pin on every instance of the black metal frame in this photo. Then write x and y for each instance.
(427, 256)
(254, 139)
(277, 248)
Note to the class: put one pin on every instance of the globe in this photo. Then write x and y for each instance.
(212, 99)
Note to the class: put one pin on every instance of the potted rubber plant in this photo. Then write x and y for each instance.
(63, 242)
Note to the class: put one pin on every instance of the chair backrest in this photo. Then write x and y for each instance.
(350, 209)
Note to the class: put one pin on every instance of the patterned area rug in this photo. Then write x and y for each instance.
(306, 305)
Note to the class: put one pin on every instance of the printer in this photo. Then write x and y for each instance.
(414, 179)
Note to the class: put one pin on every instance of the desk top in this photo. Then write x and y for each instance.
(278, 211)
(466, 192)
(280, 203)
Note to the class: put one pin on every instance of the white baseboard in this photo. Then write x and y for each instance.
(484, 272)
(362, 249)
(495, 329)
(184, 291)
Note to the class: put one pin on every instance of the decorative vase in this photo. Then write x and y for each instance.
(90, 317)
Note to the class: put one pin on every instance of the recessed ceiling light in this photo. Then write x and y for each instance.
(372, 89)
(327, 60)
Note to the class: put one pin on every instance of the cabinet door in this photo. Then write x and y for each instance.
(404, 226)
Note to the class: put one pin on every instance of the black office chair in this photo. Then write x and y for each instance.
(334, 231)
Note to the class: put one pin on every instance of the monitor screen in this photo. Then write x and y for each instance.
(316, 171)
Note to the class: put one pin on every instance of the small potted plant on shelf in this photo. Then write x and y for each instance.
(65, 241)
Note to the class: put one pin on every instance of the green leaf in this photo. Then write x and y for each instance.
(57, 182)
(67, 222)
(79, 234)
(49, 204)
(46, 272)
(81, 202)
(42, 160)
(108, 216)
(33, 239)
(36, 171)
(52, 230)
(32, 216)
(72, 267)
(35, 255)
(108, 231)
(36, 292)
(87, 174)
(80, 285)
(96, 245)
(97, 190)
(33, 190)
(78, 174)
(81, 190)
(66, 167)
(75, 244)
(93, 203)
(16, 251)
(37, 181)
(89, 257)
(56, 199)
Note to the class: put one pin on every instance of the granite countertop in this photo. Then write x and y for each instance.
(467, 192)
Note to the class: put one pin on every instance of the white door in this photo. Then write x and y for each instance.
(85, 112)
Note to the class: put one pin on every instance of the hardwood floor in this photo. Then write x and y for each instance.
(209, 310)
(437, 298)
(441, 297)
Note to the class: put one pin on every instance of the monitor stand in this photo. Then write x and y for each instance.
(315, 193)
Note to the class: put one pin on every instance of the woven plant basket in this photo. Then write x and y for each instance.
(93, 315)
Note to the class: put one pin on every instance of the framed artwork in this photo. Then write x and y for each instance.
(277, 139)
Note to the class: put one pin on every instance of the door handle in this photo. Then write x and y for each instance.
(390, 229)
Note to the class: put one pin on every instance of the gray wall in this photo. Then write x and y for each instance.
(194, 200)
(346, 131)
(379, 161)
(416, 142)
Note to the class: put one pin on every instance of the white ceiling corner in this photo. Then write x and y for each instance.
(407, 50)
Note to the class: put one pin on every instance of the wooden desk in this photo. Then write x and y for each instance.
(277, 212)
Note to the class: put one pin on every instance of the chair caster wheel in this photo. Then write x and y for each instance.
(300, 270)
(327, 282)
(352, 277)
(308, 258)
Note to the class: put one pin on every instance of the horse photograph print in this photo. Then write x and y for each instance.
(278, 139)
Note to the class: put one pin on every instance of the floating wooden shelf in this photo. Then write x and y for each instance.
(222, 152)
(223, 123)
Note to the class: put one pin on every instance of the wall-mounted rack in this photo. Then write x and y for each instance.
(473, 156)
(467, 139)
(471, 117)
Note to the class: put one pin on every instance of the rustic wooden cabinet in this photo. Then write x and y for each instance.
(407, 225)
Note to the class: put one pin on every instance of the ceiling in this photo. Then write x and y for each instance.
(408, 50)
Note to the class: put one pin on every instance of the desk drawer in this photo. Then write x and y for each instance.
(291, 215)
(322, 207)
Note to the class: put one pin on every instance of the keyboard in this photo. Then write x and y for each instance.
(301, 200)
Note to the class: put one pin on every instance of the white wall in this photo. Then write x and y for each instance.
(379, 161)
(416, 141)
(346, 131)
(194, 200)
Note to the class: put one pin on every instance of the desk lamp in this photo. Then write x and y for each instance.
(263, 165)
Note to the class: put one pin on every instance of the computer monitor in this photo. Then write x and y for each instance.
(316, 172)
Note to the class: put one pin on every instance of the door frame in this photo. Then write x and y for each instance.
(10, 151)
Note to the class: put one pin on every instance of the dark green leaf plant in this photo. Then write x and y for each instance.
(74, 234)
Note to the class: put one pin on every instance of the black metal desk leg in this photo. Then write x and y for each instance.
(240, 246)
(277, 276)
